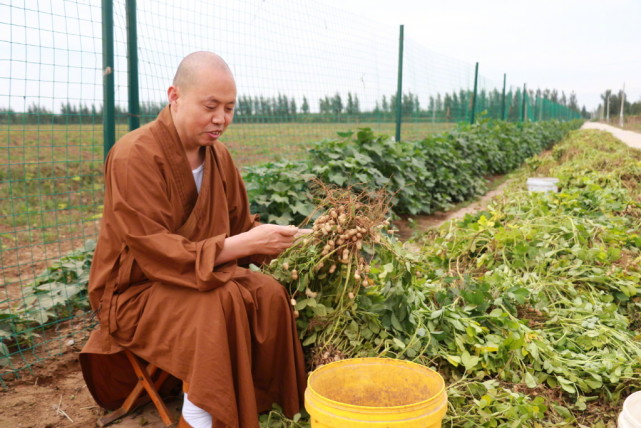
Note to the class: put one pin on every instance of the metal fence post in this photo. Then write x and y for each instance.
(621, 122)
(399, 89)
(476, 80)
(503, 99)
(524, 104)
(108, 85)
(540, 108)
(132, 66)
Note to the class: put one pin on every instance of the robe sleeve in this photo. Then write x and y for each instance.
(241, 219)
(143, 217)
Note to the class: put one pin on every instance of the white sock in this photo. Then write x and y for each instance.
(194, 415)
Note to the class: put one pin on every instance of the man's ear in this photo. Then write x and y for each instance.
(173, 95)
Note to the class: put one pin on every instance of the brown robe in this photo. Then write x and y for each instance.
(227, 331)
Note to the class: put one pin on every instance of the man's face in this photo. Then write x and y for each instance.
(202, 110)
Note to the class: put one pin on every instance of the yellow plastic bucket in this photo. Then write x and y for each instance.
(375, 392)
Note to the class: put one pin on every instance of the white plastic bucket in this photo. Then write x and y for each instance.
(542, 184)
(630, 416)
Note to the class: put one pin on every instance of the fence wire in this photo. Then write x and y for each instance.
(303, 71)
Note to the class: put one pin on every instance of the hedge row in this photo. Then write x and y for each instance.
(424, 176)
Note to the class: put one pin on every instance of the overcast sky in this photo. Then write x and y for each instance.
(582, 45)
(50, 52)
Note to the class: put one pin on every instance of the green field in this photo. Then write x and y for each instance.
(51, 175)
(252, 144)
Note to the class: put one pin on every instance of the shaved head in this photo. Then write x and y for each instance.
(201, 99)
(193, 65)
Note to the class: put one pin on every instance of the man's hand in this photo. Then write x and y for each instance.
(264, 239)
(302, 232)
(272, 239)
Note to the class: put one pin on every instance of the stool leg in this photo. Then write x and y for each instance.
(144, 378)
(129, 402)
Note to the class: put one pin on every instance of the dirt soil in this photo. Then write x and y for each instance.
(54, 394)
(423, 222)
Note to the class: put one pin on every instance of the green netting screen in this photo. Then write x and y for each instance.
(304, 71)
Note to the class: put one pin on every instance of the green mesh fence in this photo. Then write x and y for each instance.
(50, 172)
(304, 72)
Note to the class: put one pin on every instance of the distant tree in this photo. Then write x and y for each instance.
(514, 112)
(7, 115)
(606, 103)
(584, 113)
(410, 104)
(349, 108)
(292, 107)
(244, 107)
(325, 105)
(305, 107)
(447, 106)
(573, 103)
(352, 106)
(337, 104)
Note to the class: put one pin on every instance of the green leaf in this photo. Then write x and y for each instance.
(399, 343)
(3, 349)
(395, 323)
(468, 360)
(310, 339)
(566, 385)
(563, 411)
(320, 310)
(337, 179)
(455, 360)
(529, 380)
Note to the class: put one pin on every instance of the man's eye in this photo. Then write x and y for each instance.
(210, 107)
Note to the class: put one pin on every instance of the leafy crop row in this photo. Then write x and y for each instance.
(424, 176)
(53, 296)
(530, 309)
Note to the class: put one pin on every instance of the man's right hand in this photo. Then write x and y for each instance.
(271, 239)
(264, 239)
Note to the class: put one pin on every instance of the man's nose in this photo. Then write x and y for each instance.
(218, 117)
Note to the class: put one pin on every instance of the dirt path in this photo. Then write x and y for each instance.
(423, 222)
(632, 139)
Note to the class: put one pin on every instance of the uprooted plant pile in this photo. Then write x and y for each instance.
(331, 271)
(529, 309)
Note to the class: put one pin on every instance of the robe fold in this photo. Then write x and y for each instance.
(226, 330)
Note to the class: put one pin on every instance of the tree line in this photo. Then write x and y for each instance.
(610, 105)
(452, 106)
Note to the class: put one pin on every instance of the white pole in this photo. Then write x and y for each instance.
(622, 105)
(607, 109)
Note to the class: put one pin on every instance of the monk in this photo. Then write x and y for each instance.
(167, 281)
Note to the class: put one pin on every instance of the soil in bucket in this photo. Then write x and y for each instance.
(381, 392)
